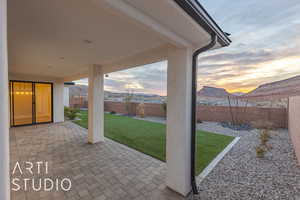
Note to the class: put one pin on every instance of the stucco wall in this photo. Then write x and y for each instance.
(58, 102)
(294, 123)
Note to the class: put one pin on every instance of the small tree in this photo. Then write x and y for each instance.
(71, 113)
(141, 110)
(164, 106)
(128, 103)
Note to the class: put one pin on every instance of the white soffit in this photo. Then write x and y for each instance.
(61, 39)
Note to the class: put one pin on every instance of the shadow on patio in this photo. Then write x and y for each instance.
(101, 171)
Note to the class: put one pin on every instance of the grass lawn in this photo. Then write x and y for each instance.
(150, 138)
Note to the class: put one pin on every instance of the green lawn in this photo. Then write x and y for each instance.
(150, 138)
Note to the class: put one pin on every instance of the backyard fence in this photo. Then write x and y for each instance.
(256, 116)
(78, 102)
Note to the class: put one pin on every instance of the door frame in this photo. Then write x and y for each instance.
(11, 102)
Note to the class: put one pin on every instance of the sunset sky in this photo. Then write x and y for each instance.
(265, 48)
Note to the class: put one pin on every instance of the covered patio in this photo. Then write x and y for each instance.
(100, 171)
(51, 42)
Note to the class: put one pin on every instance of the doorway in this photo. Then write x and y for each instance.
(30, 103)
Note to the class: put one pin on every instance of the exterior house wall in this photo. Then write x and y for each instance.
(4, 106)
(58, 99)
(58, 93)
(294, 124)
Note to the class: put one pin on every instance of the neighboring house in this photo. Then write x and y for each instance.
(46, 43)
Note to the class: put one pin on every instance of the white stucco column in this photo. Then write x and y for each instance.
(96, 105)
(58, 101)
(179, 120)
(66, 96)
(4, 106)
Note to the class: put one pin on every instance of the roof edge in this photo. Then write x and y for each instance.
(197, 12)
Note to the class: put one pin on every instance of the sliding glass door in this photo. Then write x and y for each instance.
(43, 102)
(22, 100)
(30, 103)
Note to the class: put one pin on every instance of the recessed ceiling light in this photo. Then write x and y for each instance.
(88, 41)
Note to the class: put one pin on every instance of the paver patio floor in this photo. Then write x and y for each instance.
(101, 171)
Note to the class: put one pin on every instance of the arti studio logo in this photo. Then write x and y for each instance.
(41, 184)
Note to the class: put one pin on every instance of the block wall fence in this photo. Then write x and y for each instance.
(256, 116)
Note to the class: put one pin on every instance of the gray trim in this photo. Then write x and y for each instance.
(193, 8)
(212, 43)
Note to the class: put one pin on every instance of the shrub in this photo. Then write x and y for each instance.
(264, 136)
(71, 113)
(260, 151)
(66, 110)
(112, 112)
(263, 147)
(263, 124)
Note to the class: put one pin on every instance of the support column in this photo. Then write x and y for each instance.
(4, 106)
(66, 97)
(96, 105)
(58, 102)
(179, 120)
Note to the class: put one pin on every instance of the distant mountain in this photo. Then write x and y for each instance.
(208, 91)
(82, 90)
(238, 93)
(277, 89)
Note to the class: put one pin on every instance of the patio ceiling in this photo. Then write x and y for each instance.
(60, 39)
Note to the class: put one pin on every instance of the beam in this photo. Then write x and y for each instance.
(143, 58)
(150, 23)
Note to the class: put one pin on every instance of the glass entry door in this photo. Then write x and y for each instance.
(30, 103)
(22, 103)
(43, 102)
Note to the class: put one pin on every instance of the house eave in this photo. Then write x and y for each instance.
(196, 11)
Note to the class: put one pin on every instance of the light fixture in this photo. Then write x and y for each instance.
(88, 41)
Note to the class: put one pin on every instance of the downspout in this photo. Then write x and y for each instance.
(194, 107)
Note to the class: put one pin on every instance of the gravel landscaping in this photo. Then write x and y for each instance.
(241, 175)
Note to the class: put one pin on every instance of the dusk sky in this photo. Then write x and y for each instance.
(265, 48)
